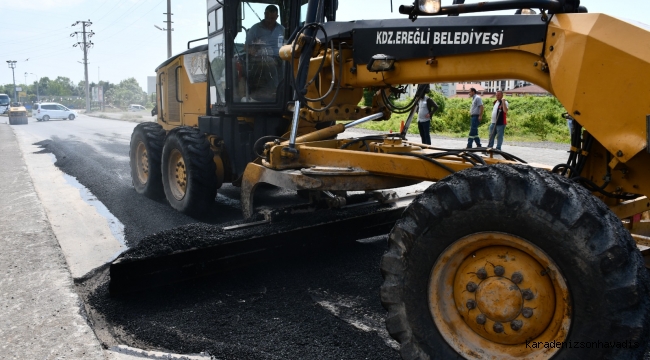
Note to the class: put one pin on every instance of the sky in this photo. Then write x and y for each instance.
(36, 33)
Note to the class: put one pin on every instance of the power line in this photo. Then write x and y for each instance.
(109, 11)
(100, 6)
(133, 23)
(39, 49)
(115, 21)
(39, 36)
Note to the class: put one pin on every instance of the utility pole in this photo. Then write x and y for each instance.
(85, 45)
(12, 66)
(169, 28)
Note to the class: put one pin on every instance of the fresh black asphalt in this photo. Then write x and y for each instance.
(321, 304)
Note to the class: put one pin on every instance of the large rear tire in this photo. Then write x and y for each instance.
(145, 155)
(492, 260)
(189, 171)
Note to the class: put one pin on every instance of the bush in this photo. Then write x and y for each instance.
(456, 120)
(529, 117)
(537, 125)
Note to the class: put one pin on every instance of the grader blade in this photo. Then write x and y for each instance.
(207, 250)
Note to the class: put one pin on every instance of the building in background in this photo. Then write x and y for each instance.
(447, 89)
(532, 90)
(493, 86)
(151, 85)
(462, 89)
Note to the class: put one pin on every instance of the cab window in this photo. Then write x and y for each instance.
(216, 56)
(258, 71)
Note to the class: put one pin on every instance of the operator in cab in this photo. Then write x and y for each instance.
(263, 43)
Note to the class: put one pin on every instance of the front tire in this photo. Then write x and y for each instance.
(580, 278)
(145, 155)
(189, 171)
(71, 117)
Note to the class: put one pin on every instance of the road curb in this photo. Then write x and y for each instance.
(42, 317)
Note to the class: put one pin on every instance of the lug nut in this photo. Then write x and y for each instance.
(481, 273)
(471, 304)
(527, 312)
(498, 328)
(499, 270)
(471, 286)
(516, 325)
(517, 277)
(480, 319)
(527, 294)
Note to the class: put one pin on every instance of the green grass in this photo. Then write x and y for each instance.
(530, 118)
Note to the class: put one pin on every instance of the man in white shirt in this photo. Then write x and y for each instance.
(426, 108)
(498, 123)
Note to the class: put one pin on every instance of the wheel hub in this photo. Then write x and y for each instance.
(499, 299)
(489, 293)
(177, 174)
(511, 283)
(143, 163)
(181, 175)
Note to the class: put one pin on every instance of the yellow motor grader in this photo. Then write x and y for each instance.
(497, 259)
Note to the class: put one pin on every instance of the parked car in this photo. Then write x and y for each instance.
(47, 111)
(136, 107)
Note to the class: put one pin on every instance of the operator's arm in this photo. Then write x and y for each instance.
(504, 106)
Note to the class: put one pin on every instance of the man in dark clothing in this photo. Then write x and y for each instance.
(476, 115)
(498, 120)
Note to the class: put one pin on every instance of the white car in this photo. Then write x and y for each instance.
(136, 107)
(47, 111)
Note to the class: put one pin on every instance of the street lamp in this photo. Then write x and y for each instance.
(12, 65)
(169, 39)
(38, 98)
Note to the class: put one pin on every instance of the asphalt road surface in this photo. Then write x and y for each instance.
(321, 304)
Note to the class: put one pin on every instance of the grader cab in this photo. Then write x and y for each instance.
(498, 259)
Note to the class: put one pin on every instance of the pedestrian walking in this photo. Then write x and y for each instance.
(426, 107)
(476, 115)
(498, 120)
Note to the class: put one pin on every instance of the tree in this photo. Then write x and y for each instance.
(61, 86)
(7, 89)
(44, 85)
(126, 92)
